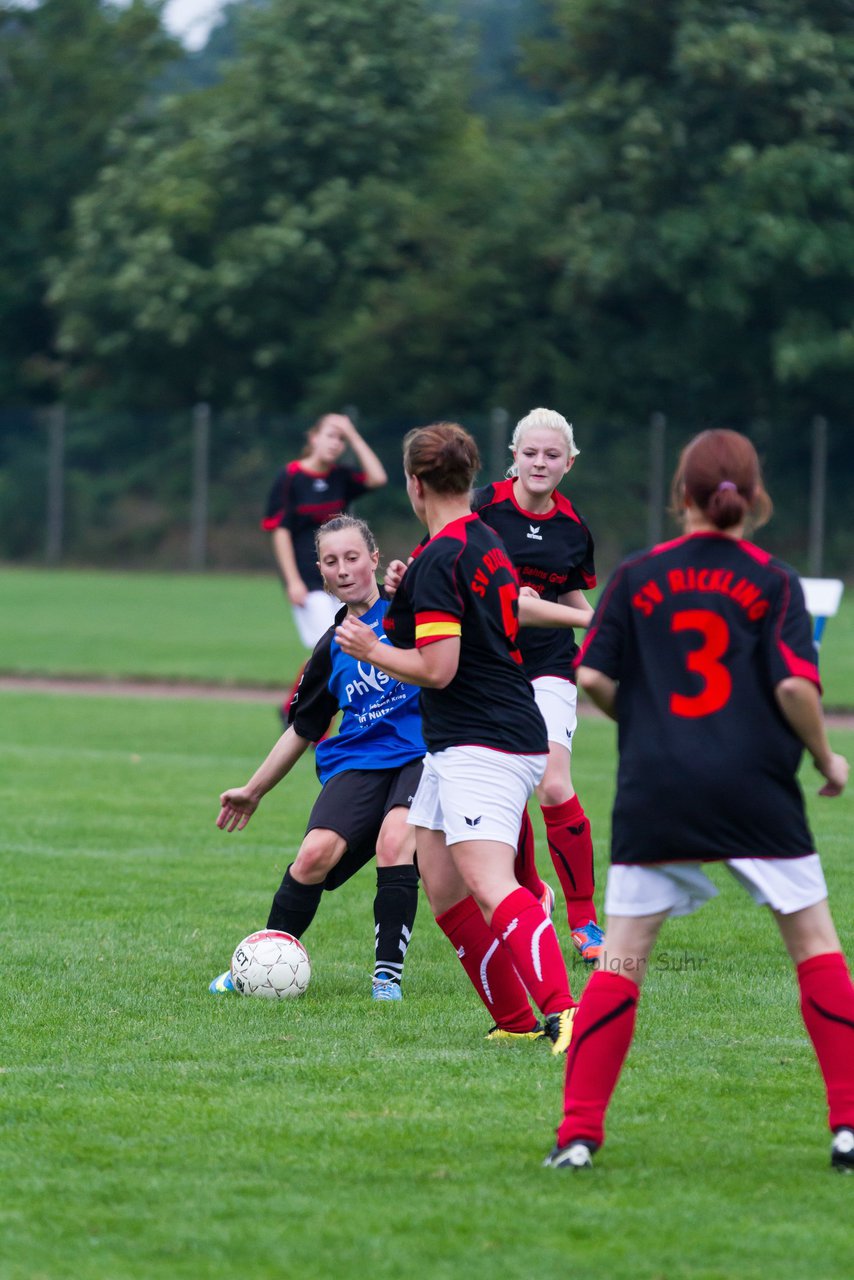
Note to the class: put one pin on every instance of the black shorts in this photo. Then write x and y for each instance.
(354, 804)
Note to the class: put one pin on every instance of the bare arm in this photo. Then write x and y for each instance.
(432, 667)
(570, 610)
(239, 803)
(600, 689)
(374, 471)
(283, 550)
(799, 701)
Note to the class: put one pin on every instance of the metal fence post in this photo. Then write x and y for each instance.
(201, 475)
(655, 497)
(498, 420)
(55, 419)
(818, 491)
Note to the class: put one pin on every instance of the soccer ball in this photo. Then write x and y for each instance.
(272, 964)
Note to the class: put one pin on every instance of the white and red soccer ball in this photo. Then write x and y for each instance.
(272, 964)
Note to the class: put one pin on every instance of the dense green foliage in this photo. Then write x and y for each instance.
(430, 207)
(154, 1132)
(69, 71)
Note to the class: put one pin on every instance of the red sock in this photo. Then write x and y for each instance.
(525, 866)
(527, 933)
(827, 1006)
(571, 847)
(487, 965)
(601, 1036)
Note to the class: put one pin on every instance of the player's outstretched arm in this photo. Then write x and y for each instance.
(600, 689)
(238, 804)
(800, 703)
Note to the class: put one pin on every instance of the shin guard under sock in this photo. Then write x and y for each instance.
(525, 866)
(527, 933)
(488, 966)
(601, 1035)
(571, 848)
(395, 905)
(294, 905)
(827, 1006)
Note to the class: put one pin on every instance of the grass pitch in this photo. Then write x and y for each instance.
(221, 627)
(152, 1130)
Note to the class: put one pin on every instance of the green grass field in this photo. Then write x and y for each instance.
(152, 1130)
(230, 628)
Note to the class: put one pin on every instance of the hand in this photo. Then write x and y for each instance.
(346, 426)
(836, 773)
(393, 576)
(238, 806)
(356, 639)
(297, 594)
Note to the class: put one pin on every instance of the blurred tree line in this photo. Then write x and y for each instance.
(429, 207)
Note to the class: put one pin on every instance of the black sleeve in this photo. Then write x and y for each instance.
(277, 501)
(313, 705)
(482, 497)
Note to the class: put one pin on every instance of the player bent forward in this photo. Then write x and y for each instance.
(369, 772)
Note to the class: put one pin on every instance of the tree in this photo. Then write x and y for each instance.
(69, 69)
(702, 198)
(213, 256)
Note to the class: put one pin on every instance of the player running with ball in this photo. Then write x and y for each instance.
(701, 649)
(454, 616)
(369, 771)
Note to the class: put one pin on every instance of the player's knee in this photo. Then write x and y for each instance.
(554, 791)
(315, 859)
(395, 851)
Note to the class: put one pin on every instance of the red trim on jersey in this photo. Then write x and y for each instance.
(332, 508)
(451, 529)
(756, 553)
(583, 647)
(272, 522)
(799, 666)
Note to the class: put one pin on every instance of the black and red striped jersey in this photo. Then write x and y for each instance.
(698, 632)
(553, 553)
(462, 583)
(301, 501)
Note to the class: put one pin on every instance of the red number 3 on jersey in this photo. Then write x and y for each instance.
(704, 662)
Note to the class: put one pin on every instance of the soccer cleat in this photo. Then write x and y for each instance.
(222, 983)
(495, 1032)
(385, 987)
(577, 1154)
(842, 1151)
(547, 899)
(558, 1028)
(588, 939)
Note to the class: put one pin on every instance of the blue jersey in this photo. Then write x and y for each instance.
(381, 722)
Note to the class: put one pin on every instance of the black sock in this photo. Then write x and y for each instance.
(294, 905)
(394, 915)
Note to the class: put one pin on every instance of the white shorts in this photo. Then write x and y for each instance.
(558, 703)
(315, 616)
(474, 793)
(784, 884)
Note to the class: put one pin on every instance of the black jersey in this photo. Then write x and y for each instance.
(699, 632)
(301, 501)
(553, 553)
(462, 583)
